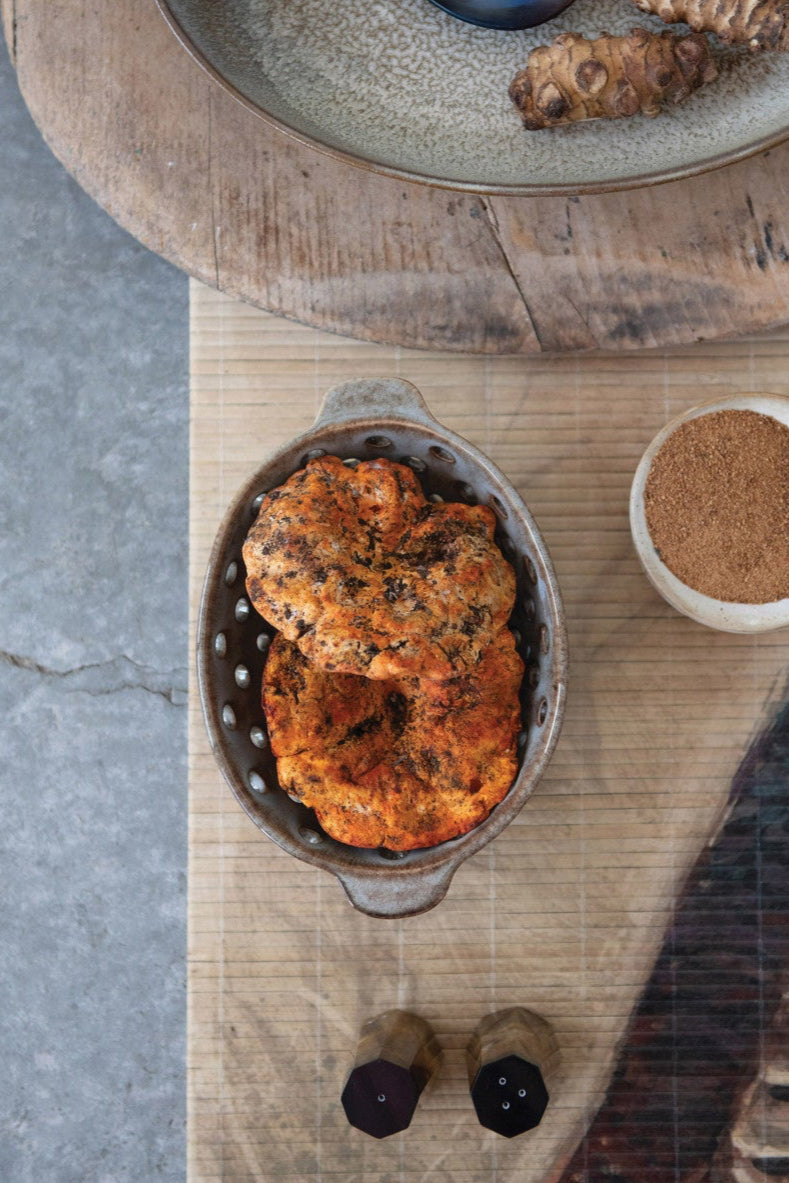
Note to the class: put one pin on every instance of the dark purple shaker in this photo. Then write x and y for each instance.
(396, 1057)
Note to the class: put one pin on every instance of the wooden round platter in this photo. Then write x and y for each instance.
(213, 188)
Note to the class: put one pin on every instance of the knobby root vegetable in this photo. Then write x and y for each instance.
(609, 78)
(762, 24)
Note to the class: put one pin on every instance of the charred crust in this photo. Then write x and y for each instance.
(336, 558)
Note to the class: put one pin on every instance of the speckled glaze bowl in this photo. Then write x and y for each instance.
(718, 614)
(406, 89)
(358, 421)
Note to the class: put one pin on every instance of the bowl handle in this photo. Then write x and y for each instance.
(364, 397)
(390, 895)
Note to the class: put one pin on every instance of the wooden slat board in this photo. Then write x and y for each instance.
(564, 912)
(206, 183)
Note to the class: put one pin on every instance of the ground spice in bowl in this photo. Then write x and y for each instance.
(717, 505)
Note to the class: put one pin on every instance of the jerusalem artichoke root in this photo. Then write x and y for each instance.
(762, 24)
(611, 77)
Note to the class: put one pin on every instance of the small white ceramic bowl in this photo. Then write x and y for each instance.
(718, 614)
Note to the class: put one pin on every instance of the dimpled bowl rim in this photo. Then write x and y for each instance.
(716, 614)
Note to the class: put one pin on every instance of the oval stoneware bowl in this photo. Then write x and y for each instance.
(358, 421)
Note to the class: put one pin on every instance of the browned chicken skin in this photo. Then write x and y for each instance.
(399, 763)
(368, 577)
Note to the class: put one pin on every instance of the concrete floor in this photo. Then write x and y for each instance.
(93, 654)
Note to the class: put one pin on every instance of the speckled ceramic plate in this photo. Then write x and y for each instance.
(402, 87)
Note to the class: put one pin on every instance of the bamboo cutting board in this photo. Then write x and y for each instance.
(564, 912)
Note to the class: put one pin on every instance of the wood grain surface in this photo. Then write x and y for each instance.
(566, 911)
(204, 182)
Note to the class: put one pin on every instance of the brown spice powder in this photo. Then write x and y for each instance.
(717, 506)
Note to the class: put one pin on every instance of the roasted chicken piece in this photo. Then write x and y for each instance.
(369, 578)
(400, 763)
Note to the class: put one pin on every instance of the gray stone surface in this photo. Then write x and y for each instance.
(93, 643)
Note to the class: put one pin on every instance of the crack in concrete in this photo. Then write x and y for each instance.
(166, 687)
(169, 694)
